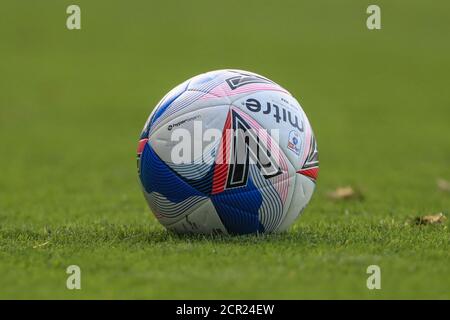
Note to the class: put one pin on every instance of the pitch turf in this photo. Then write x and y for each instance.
(72, 104)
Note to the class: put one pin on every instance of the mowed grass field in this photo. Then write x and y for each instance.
(72, 104)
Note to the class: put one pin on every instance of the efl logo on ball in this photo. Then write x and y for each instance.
(229, 152)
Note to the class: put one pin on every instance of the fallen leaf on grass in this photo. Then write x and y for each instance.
(431, 219)
(41, 245)
(345, 193)
(443, 185)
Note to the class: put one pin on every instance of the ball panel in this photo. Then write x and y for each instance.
(169, 211)
(239, 209)
(187, 102)
(192, 126)
(168, 195)
(302, 192)
(203, 219)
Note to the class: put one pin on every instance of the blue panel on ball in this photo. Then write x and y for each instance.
(156, 176)
(188, 173)
(202, 79)
(168, 100)
(238, 209)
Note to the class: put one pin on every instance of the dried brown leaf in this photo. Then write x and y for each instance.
(443, 185)
(431, 219)
(345, 193)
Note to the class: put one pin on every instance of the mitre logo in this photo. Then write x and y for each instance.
(279, 113)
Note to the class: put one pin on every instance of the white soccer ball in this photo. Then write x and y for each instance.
(227, 151)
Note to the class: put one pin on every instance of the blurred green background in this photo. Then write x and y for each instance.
(72, 104)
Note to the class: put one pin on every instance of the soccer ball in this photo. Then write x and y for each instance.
(227, 152)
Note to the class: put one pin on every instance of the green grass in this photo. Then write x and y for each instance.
(72, 104)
